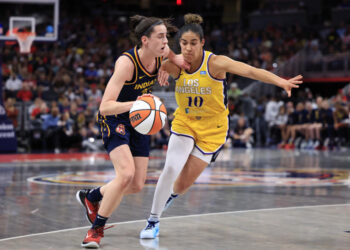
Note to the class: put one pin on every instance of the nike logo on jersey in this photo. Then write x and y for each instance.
(219, 126)
(140, 77)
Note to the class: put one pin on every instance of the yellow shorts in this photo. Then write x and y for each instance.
(208, 133)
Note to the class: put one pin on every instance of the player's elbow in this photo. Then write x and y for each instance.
(103, 109)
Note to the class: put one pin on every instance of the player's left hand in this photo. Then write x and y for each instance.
(291, 83)
(179, 60)
(163, 77)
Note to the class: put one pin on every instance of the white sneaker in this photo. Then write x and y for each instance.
(151, 231)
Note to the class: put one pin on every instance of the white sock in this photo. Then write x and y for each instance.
(179, 149)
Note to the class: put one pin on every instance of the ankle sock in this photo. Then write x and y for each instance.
(100, 221)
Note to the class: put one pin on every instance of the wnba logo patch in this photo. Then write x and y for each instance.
(120, 129)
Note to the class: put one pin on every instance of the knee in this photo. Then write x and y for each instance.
(126, 178)
(137, 187)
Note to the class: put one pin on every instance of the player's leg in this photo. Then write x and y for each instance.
(194, 166)
(112, 192)
(140, 146)
(136, 185)
(179, 149)
(189, 174)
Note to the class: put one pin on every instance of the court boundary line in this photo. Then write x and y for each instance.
(182, 216)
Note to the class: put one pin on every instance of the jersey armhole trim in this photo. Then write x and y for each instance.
(178, 76)
(134, 78)
(212, 77)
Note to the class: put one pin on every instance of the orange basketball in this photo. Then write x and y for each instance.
(148, 115)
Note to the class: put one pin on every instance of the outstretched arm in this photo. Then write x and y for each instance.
(223, 64)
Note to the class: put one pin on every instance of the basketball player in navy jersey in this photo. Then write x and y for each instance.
(134, 75)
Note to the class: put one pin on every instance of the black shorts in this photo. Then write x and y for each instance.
(116, 132)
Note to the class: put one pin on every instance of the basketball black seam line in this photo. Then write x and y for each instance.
(155, 114)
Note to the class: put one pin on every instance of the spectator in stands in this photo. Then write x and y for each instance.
(279, 126)
(91, 73)
(43, 81)
(50, 95)
(341, 123)
(65, 130)
(51, 129)
(94, 94)
(314, 129)
(12, 111)
(242, 135)
(271, 111)
(290, 123)
(259, 124)
(314, 57)
(25, 94)
(36, 109)
(247, 106)
(12, 85)
(327, 120)
(297, 128)
(234, 91)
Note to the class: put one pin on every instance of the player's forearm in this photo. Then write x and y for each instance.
(115, 108)
(171, 55)
(265, 76)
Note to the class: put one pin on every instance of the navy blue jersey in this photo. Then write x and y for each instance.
(141, 82)
(315, 116)
(303, 116)
(116, 130)
(326, 116)
(309, 116)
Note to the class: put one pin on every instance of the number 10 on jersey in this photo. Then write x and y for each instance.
(197, 101)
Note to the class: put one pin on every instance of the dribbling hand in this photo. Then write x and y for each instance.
(146, 95)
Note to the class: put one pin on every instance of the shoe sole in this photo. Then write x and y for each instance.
(77, 196)
(151, 237)
(90, 245)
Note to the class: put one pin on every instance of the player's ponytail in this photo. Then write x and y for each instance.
(192, 23)
(144, 26)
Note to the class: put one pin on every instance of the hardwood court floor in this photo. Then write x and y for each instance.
(258, 199)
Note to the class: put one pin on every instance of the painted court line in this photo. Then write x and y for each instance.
(179, 217)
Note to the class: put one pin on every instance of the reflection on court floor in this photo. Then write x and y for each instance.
(258, 199)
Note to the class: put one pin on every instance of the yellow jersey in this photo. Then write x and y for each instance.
(199, 93)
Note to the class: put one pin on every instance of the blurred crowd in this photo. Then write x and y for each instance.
(52, 94)
(308, 122)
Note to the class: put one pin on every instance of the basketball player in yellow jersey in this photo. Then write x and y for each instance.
(200, 126)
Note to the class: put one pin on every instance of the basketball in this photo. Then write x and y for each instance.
(148, 115)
